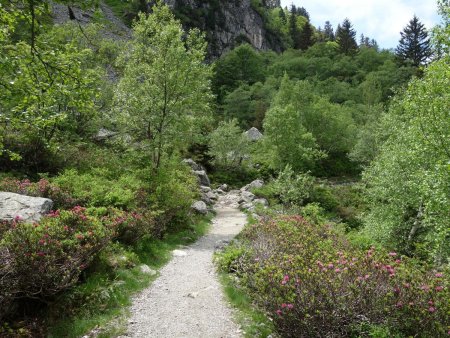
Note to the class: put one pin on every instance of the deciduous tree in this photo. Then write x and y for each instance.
(165, 89)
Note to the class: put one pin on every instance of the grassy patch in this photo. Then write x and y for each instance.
(253, 322)
(100, 302)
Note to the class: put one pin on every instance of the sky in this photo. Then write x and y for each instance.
(382, 20)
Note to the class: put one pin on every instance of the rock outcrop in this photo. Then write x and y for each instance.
(199, 171)
(228, 23)
(23, 208)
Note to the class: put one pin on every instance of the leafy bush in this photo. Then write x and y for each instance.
(128, 227)
(42, 259)
(288, 188)
(173, 190)
(100, 188)
(315, 283)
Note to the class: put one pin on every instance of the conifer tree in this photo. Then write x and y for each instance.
(345, 36)
(294, 32)
(414, 45)
(303, 12)
(306, 37)
(328, 31)
(282, 15)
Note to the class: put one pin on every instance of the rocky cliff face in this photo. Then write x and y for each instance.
(227, 23)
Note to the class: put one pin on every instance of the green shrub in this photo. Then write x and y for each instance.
(100, 188)
(288, 188)
(315, 283)
(234, 177)
(42, 259)
(128, 227)
(227, 261)
(173, 189)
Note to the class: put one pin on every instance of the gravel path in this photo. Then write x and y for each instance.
(187, 299)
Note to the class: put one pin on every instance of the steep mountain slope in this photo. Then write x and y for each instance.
(227, 23)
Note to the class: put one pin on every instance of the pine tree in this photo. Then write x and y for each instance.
(294, 32)
(306, 37)
(328, 31)
(414, 45)
(282, 15)
(362, 40)
(303, 12)
(345, 36)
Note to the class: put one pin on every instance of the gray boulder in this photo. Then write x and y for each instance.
(207, 200)
(219, 191)
(202, 178)
(194, 166)
(212, 195)
(224, 187)
(253, 134)
(247, 196)
(200, 207)
(147, 270)
(261, 201)
(24, 208)
(199, 171)
(205, 189)
(254, 184)
(104, 134)
(248, 207)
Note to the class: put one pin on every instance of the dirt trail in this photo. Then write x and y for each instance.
(187, 299)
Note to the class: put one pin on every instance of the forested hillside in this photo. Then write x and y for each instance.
(103, 103)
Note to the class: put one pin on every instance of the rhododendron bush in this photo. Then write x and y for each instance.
(39, 260)
(314, 283)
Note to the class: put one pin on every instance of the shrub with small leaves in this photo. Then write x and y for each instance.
(42, 259)
(315, 283)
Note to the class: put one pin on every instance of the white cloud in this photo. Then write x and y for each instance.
(382, 20)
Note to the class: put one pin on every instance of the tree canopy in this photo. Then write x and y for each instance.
(414, 45)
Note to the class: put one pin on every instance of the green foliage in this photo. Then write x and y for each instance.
(408, 182)
(414, 45)
(249, 104)
(254, 322)
(241, 65)
(235, 177)
(292, 189)
(40, 260)
(226, 261)
(228, 145)
(100, 188)
(47, 89)
(173, 189)
(345, 37)
(164, 92)
(313, 282)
